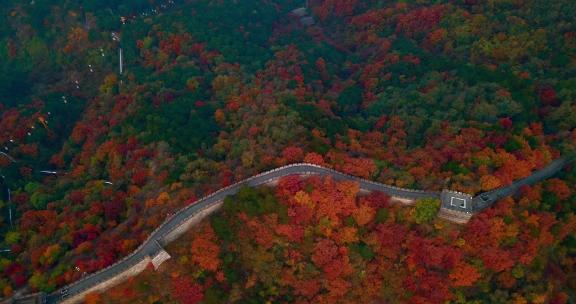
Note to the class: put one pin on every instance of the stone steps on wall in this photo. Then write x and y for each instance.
(454, 216)
(160, 258)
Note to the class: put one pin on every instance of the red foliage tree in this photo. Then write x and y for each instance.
(139, 177)
(293, 154)
(558, 187)
(464, 275)
(76, 197)
(429, 287)
(505, 122)
(324, 252)
(314, 158)
(496, 259)
(420, 20)
(187, 292)
(548, 96)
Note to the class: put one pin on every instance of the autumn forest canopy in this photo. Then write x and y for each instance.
(467, 95)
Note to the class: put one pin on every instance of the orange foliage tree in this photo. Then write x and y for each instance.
(205, 250)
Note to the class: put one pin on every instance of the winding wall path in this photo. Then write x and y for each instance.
(187, 216)
(486, 199)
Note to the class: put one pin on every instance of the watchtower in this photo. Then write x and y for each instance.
(456, 206)
(457, 201)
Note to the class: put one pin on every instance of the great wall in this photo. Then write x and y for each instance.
(456, 207)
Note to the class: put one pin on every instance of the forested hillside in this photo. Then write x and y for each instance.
(294, 244)
(467, 95)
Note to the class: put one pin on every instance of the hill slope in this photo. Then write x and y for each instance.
(467, 95)
(321, 241)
